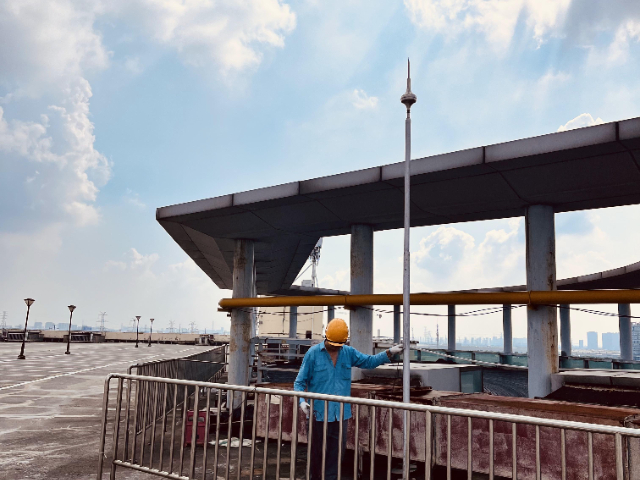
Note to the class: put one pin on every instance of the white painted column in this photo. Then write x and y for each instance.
(361, 319)
(507, 331)
(565, 330)
(626, 335)
(542, 323)
(240, 335)
(397, 324)
(451, 333)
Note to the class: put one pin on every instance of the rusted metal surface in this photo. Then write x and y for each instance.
(550, 438)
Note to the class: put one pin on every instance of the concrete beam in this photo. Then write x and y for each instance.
(361, 318)
(507, 331)
(626, 335)
(451, 332)
(565, 330)
(542, 326)
(397, 324)
(241, 318)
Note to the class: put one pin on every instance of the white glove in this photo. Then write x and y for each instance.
(304, 406)
(396, 349)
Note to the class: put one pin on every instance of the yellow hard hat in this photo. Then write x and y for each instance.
(337, 332)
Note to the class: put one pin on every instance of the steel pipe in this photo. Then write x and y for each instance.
(553, 297)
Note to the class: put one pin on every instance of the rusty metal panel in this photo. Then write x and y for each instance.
(550, 443)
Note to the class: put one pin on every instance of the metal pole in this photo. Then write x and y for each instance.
(69, 335)
(407, 99)
(24, 335)
(137, 328)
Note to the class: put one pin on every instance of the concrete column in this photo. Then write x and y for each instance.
(507, 332)
(240, 335)
(542, 323)
(397, 324)
(293, 322)
(361, 319)
(331, 313)
(451, 333)
(565, 330)
(626, 335)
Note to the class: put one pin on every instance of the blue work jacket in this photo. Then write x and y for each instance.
(318, 375)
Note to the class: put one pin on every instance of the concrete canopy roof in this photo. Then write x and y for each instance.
(593, 167)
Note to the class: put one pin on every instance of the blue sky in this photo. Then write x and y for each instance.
(111, 109)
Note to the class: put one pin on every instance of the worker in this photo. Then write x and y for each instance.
(326, 368)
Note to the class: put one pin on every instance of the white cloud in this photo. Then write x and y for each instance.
(496, 19)
(619, 49)
(363, 101)
(450, 258)
(582, 120)
(227, 33)
(70, 168)
(44, 44)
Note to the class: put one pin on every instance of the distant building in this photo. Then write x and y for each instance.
(592, 340)
(49, 326)
(62, 326)
(274, 322)
(87, 328)
(581, 344)
(37, 326)
(635, 334)
(611, 341)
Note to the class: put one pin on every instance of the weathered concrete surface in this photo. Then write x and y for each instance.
(361, 319)
(50, 405)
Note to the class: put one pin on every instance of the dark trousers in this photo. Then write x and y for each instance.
(331, 458)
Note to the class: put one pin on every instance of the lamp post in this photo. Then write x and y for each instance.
(137, 328)
(29, 302)
(150, 331)
(71, 309)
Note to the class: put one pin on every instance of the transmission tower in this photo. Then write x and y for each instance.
(3, 322)
(193, 327)
(101, 321)
(171, 326)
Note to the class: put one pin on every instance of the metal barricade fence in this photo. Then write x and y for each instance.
(511, 446)
(202, 366)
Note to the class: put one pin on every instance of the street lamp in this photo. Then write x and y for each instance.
(150, 331)
(71, 309)
(137, 325)
(29, 302)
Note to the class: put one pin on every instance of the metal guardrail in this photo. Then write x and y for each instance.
(488, 439)
(204, 366)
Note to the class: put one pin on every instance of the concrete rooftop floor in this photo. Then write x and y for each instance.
(50, 405)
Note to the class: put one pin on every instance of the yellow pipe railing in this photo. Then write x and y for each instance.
(487, 298)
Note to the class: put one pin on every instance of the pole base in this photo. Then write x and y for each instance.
(21, 357)
(67, 353)
(136, 345)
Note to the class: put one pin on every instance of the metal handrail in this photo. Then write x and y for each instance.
(543, 422)
(435, 423)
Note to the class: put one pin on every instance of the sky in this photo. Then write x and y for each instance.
(110, 109)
